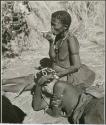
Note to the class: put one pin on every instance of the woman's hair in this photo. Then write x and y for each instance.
(63, 16)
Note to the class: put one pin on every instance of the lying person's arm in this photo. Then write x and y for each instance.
(74, 57)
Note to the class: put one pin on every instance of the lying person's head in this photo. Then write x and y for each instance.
(60, 22)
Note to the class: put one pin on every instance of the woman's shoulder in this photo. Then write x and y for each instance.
(73, 39)
(72, 36)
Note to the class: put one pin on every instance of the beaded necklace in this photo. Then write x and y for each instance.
(59, 43)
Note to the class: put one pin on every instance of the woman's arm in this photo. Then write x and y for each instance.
(74, 57)
(50, 38)
(51, 50)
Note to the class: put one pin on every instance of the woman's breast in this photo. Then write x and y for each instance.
(63, 51)
(62, 57)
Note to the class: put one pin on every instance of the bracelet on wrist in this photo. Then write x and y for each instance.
(56, 77)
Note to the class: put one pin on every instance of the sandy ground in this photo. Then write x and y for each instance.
(91, 54)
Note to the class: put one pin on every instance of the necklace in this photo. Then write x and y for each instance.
(59, 43)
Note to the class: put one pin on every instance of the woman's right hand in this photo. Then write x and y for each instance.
(49, 36)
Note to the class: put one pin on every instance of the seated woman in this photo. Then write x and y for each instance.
(64, 52)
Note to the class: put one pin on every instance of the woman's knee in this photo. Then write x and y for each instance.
(59, 86)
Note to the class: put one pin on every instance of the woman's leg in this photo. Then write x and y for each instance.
(55, 102)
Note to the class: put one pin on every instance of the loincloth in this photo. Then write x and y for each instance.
(84, 77)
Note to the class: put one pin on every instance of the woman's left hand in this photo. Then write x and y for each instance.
(44, 79)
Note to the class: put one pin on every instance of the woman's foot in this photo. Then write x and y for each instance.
(54, 112)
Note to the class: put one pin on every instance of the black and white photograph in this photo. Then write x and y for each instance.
(53, 62)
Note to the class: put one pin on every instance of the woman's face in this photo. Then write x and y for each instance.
(56, 26)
